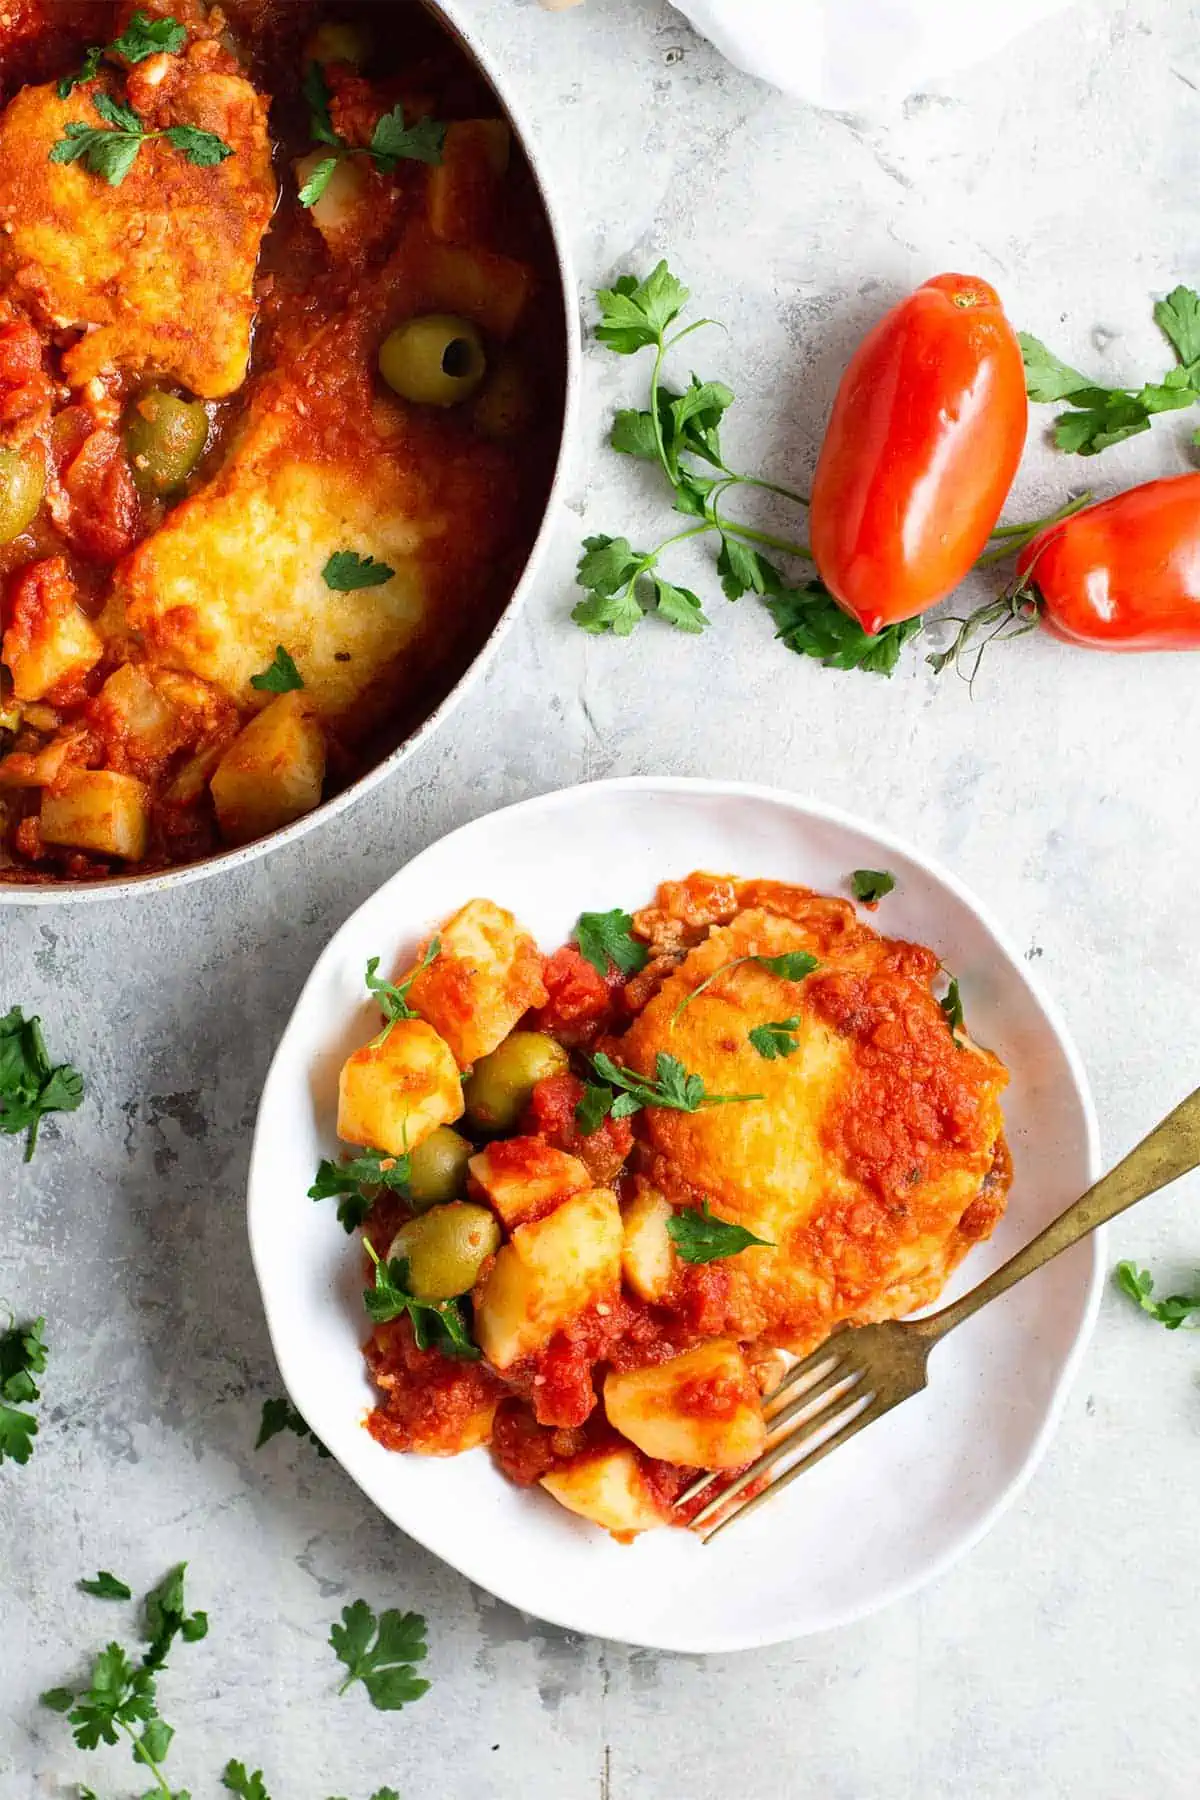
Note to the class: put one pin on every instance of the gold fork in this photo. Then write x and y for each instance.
(863, 1372)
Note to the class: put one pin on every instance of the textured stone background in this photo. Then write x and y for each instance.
(1060, 1658)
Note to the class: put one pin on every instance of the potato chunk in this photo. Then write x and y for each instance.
(130, 711)
(525, 1178)
(701, 1409)
(485, 976)
(393, 1094)
(490, 290)
(648, 1257)
(48, 639)
(96, 809)
(549, 1272)
(610, 1490)
(463, 186)
(272, 772)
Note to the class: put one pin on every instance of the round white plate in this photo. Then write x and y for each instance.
(896, 1505)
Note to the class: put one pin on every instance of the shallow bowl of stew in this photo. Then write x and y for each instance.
(280, 437)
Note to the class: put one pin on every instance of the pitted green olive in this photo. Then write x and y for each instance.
(438, 1168)
(497, 1090)
(165, 438)
(434, 360)
(22, 484)
(445, 1248)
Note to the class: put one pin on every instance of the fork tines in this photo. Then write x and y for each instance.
(802, 1427)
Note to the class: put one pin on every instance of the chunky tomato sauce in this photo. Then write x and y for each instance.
(85, 591)
(897, 1111)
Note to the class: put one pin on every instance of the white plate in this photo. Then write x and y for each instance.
(901, 1501)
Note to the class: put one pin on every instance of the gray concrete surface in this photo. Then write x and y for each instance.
(1060, 1658)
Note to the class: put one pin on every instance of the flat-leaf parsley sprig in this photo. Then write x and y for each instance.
(622, 1092)
(23, 1353)
(110, 150)
(381, 1653)
(681, 432)
(437, 1324)
(392, 141)
(30, 1084)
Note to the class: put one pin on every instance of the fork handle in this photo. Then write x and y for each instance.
(1171, 1149)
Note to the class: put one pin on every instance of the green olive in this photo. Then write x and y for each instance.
(498, 1088)
(339, 41)
(22, 484)
(435, 360)
(438, 1167)
(165, 437)
(445, 1248)
(504, 407)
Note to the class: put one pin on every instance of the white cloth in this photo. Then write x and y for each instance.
(861, 55)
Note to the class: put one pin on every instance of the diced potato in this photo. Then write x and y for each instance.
(610, 1490)
(648, 1258)
(96, 809)
(393, 1093)
(487, 973)
(130, 708)
(462, 187)
(272, 772)
(338, 214)
(48, 638)
(525, 1178)
(549, 1272)
(701, 1409)
(480, 285)
(449, 1435)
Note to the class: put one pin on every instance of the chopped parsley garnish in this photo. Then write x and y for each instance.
(346, 570)
(870, 885)
(680, 431)
(142, 37)
(282, 677)
(1101, 415)
(393, 1000)
(279, 1416)
(121, 1696)
(237, 1778)
(392, 141)
(381, 1653)
(355, 1185)
(30, 1085)
(607, 938)
(775, 1040)
(23, 1353)
(625, 1092)
(951, 1005)
(437, 1324)
(110, 150)
(700, 1237)
(793, 965)
(1172, 1311)
(106, 1586)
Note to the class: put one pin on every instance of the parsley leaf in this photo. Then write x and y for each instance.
(346, 570)
(167, 1619)
(23, 1353)
(315, 89)
(775, 1040)
(240, 1782)
(810, 622)
(678, 605)
(381, 1654)
(318, 181)
(437, 1324)
(30, 1085)
(594, 1106)
(870, 885)
(607, 938)
(88, 72)
(608, 571)
(1139, 1285)
(105, 1586)
(634, 314)
(392, 140)
(700, 1237)
(280, 1415)
(144, 36)
(1178, 318)
(393, 1000)
(1047, 378)
(282, 677)
(951, 1005)
(671, 1088)
(111, 150)
(356, 1184)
